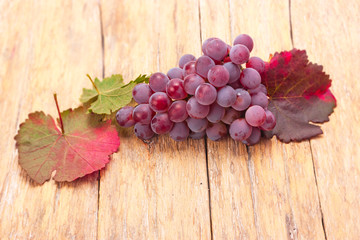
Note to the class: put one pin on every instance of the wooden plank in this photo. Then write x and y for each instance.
(331, 36)
(283, 185)
(277, 206)
(50, 48)
(157, 190)
(231, 202)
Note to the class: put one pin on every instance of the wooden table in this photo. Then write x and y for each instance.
(194, 189)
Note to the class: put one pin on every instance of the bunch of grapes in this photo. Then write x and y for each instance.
(211, 96)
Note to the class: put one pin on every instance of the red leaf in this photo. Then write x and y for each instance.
(84, 147)
(299, 94)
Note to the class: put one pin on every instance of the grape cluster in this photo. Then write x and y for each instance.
(212, 95)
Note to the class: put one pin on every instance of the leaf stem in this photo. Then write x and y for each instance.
(93, 83)
(58, 109)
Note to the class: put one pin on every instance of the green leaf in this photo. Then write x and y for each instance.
(110, 94)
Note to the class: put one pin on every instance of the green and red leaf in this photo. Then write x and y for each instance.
(299, 95)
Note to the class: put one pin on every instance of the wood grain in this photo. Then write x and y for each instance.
(47, 49)
(161, 188)
(331, 36)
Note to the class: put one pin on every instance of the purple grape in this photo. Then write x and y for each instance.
(197, 135)
(239, 54)
(141, 93)
(218, 76)
(255, 116)
(185, 59)
(260, 99)
(205, 94)
(159, 102)
(250, 78)
(197, 125)
(243, 100)
(230, 115)
(191, 82)
(205, 43)
(143, 131)
(179, 132)
(189, 68)
(161, 124)
(240, 130)
(203, 65)
(216, 131)
(254, 138)
(177, 111)
(216, 49)
(175, 73)
(270, 121)
(234, 71)
(196, 110)
(260, 88)
(124, 117)
(143, 114)
(216, 113)
(246, 40)
(226, 96)
(175, 89)
(256, 63)
(158, 81)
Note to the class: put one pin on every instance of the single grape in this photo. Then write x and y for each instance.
(256, 63)
(196, 110)
(218, 76)
(191, 82)
(250, 78)
(205, 43)
(239, 54)
(141, 93)
(177, 111)
(216, 49)
(270, 121)
(240, 130)
(205, 94)
(197, 125)
(260, 88)
(259, 99)
(226, 96)
(124, 117)
(189, 68)
(158, 81)
(243, 100)
(175, 89)
(143, 114)
(203, 65)
(179, 132)
(216, 131)
(197, 135)
(255, 116)
(143, 131)
(246, 40)
(230, 115)
(216, 113)
(175, 73)
(161, 124)
(185, 59)
(254, 138)
(234, 71)
(159, 102)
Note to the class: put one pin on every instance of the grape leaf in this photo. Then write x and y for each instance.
(83, 148)
(110, 94)
(299, 94)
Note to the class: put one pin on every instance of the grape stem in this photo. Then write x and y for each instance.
(93, 83)
(58, 109)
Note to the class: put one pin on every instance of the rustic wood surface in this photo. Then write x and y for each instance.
(194, 189)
